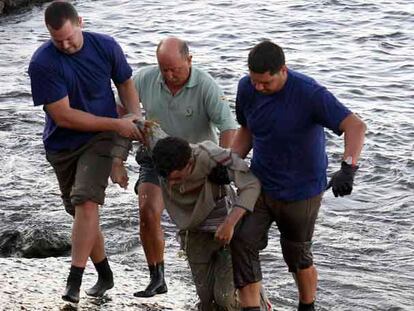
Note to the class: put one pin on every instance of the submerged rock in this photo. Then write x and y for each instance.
(33, 243)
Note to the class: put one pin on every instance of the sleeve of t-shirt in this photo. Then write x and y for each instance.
(47, 86)
(218, 108)
(241, 119)
(328, 110)
(121, 71)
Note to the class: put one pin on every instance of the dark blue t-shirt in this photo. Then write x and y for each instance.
(289, 155)
(85, 77)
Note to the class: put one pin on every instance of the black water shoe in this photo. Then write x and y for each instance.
(157, 284)
(99, 289)
(105, 279)
(73, 284)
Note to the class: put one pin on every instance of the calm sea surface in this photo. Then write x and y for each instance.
(363, 51)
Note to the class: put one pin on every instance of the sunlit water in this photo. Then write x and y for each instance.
(361, 50)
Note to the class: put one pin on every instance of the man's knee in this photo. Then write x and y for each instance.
(88, 209)
(297, 255)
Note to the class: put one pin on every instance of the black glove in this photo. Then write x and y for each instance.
(343, 180)
(219, 175)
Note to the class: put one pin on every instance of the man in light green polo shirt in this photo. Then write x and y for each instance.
(189, 104)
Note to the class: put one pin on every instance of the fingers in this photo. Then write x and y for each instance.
(342, 189)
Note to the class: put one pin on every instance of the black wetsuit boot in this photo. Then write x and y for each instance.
(105, 279)
(306, 306)
(73, 284)
(250, 309)
(157, 284)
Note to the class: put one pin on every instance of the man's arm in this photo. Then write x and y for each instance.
(354, 129)
(129, 97)
(248, 190)
(242, 142)
(226, 138)
(67, 117)
(225, 231)
(342, 180)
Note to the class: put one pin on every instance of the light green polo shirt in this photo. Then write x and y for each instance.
(194, 113)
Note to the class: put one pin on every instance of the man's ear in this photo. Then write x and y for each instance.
(80, 21)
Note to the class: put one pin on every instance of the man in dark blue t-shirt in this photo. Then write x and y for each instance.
(283, 114)
(71, 78)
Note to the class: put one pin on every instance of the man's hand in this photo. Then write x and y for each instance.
(342, 181)
(224, 233)
(118, 173)
(127, 128)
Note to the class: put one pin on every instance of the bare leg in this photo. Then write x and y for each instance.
(151, 206)
(250, 295)
(307, 280)
(84, 236)
(85, 232)
(98, 249)
(105, 277)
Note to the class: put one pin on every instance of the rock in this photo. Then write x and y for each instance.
(33, 243)
(8, 6)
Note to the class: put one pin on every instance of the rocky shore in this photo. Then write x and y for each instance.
(9, 6)
(37, 284)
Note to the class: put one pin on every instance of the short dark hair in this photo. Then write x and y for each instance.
(58, 12)
(170, 154)
(266, 56)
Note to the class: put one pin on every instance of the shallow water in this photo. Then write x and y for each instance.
(363, 51)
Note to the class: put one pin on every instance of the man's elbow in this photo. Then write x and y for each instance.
(353, 124)
(360, 126)
(61, 121)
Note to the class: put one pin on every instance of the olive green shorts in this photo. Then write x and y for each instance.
(83, 173)
(295, 221)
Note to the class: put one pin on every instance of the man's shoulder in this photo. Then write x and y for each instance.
(147, 73)
(304, 81)
(44, 56)
(43, 52)
(245, 81)
(201, 77)
(104, 38)
(245, 87)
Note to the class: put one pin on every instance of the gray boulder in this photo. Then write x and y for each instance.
(33, 243)
(7, 6)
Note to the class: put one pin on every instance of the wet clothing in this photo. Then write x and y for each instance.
(290, 160)
(193, 113)
(85, 77)
(196, 207)
(190, 203)
(287, 127)
(212, 270)
(83, 173)
(296, 223)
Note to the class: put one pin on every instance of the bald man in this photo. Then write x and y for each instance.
(189, 104)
